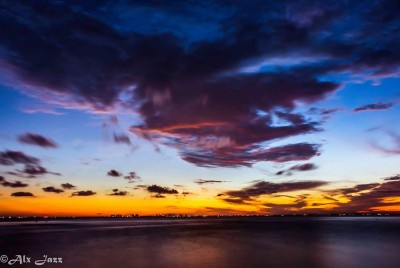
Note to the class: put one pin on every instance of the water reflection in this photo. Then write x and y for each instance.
(270, 242)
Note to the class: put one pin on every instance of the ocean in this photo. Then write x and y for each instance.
(335, 242)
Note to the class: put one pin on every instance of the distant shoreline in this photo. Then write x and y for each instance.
(137, 217)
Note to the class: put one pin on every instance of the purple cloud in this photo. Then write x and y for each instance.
(38, 140)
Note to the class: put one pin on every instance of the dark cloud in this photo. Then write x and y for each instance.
(34, 171)
(32, 167)
(159, 190)
(114, 173)
(206, 85)
(300, 167)
(330, 111)
(374, 107)
(186, 193)
(51, 189)
(117, 192)
(325, 114)
(16, 184)
(36, 139)
(300, 202)
(68, 186)
(268, 188)
(356, 189)
(9, 158)
(393, 178)
(22, 194)
(132, 177)
(236, 201)
(201, 181)
(140, 187)
(367, 197)
(83, 193)
(121, 138)
(330, 198)
(234, 158)
(304, 167)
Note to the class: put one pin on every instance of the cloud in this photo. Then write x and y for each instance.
(68, 186)
(330, 111)
(299, 203)
(117, 192)
(140, 187)
(16, 184)
(160, 191)
(22, 194)
(370, 197)
(51, 189)
(34, 171)
(300, 167)
(209, 86)
(38, 140)
(236, 201)
(83, 193)
(132, 177)
(374, 107)
(247, 157)
(330, 198)
(32, 167)
(304, 167)
(393, 178)
(268, 188)
(122, 138)
(114, 173)
(9, 158)
(201, 181)
(395, 137)
(45, 110)
(362, 198)
(356, 189)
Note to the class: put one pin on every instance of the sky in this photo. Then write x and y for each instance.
(200, 108)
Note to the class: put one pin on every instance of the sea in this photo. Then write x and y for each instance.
(335, 242)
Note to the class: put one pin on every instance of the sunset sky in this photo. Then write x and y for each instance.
(199, 107)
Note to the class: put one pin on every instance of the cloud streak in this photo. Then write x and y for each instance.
(160, 191)
(22, 194)
(83, 193)
(16, 184)
(68, 186)
(374, 107)
(51, 189)
(32, 166)
(262, 188)
(38, 140)
(116, 192)
(114, 173)
(201, 181)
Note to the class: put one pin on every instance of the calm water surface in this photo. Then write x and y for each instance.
(235, 242)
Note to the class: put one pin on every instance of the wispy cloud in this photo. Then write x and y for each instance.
(38, 140)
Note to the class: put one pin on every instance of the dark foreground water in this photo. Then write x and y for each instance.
(234, 242)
